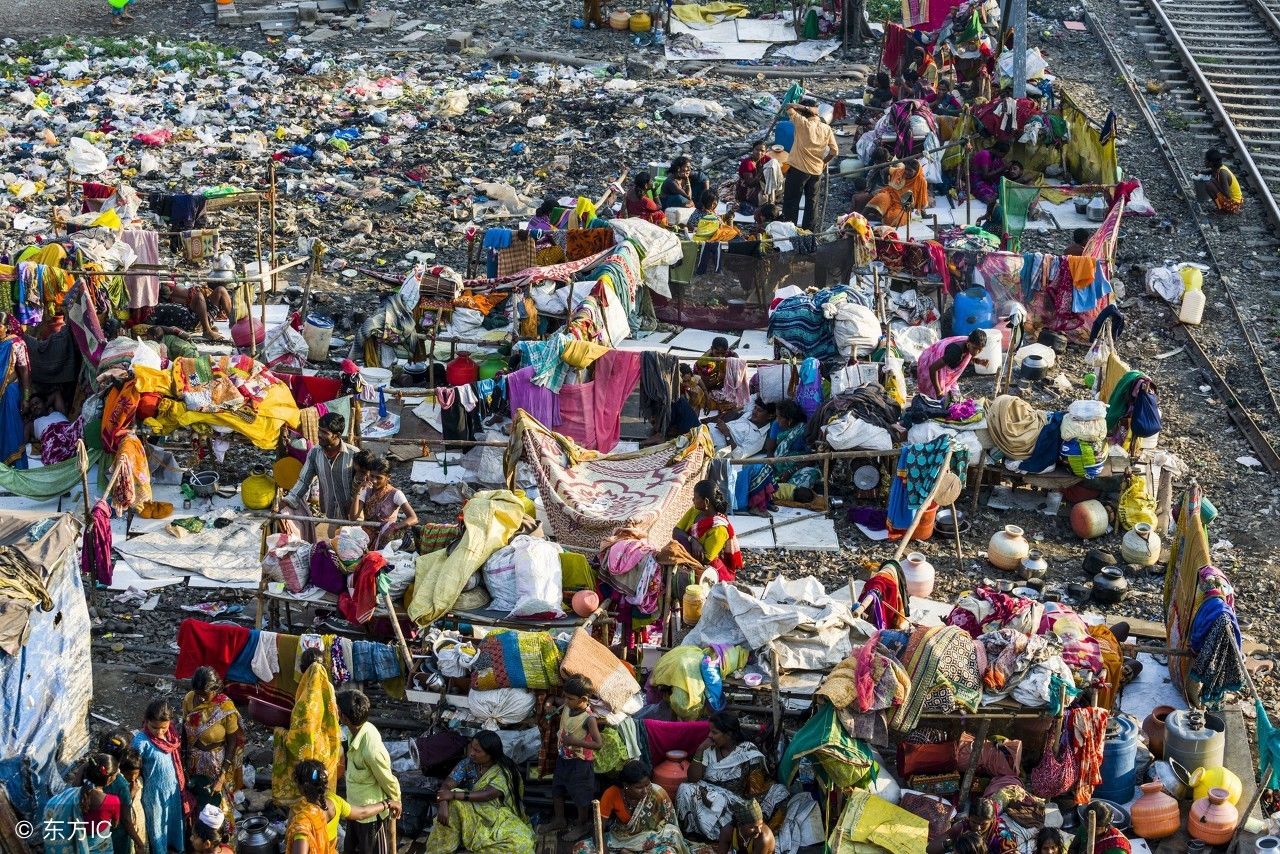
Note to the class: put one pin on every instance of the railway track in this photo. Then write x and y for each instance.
(1214, 56)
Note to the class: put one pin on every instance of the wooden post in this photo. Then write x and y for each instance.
(395, 626)
(1091, 830)
(317, 251)
(955, 518)
(271, 216)
(598, 823)
(924, 505)
(775, 690)
(968, 184)
(248, 298)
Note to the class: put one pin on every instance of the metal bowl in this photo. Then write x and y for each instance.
(1119, 815)
(943, 521)
(204, 483)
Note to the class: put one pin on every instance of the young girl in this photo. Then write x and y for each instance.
(209, 832)
(381, 502)
(575, 775)
(707, 533)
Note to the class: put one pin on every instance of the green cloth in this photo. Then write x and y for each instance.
(1268, 745)
(971, 30)
(47, 481)
(575, 572)
(1118, 405)
(180, 348)
(1016, 201)
(844, 761)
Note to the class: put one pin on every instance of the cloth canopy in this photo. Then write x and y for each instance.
(588, 495)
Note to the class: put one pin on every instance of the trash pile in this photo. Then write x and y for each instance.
(420, 150)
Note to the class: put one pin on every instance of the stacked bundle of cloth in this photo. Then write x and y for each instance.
(1029, 439)
(865, 689)
(964, 421)
(1215, 639)
(858, 418)
(801, 323)
(1084, 437)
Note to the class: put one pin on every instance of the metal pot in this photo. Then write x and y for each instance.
(1034, 565)
(1172, 777)
(256, 837)
(1055, 341)
(1110, 586)
(1034, 367)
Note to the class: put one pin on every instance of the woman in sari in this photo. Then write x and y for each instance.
(164, 780)
(80, 819)
(214, 738)
(378, 501)
(939, 367)
(639, 814)
(985, 171)
(906, 190)
(706, 533)
(985, 822)
(726, 770)
(711, 364)
(313, 731)
(307, 832)
(639, 201)
(486, 816)
(1106, 839)
(786, 439)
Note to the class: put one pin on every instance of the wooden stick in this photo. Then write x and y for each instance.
(1253, 802)
(955, 518)
(1091, 831)
(599, 825)
(317, 251)
(395, 625)
(775, 700)
(924, 506)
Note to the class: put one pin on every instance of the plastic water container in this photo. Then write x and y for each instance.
(973, 310)
(784, 133)
(317, 332)
(462, 370)
(1192, 277)
(992, 353)
(1119, 761)
(1191, 312)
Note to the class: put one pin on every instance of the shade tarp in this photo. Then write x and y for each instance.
(46, 688)
(588, 495)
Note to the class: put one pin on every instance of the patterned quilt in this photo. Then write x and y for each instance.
(588, 495)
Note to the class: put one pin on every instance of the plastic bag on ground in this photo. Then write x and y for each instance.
(85, 158)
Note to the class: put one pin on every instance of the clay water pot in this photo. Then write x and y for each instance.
(1155, 815)
(672, 771)
(1089, 519)
(1008, 548)
(1110, 586)
(1213, 819)
(1153, 729)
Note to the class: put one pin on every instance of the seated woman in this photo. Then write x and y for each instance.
(706, 532)
(639, 201)
(189, 307)
(874, 179)
(711, 365)
(948, 101)
(726, 771)
(985, 823)
(638, 816)
(682, 184)
(882, 94)
(481, 810)
(1218, 184)
(907, 190)
(381, 502)
(541, 219)
(750, 178)
(1106, 840)
(786, 439)
(684, 417)
(986, 169)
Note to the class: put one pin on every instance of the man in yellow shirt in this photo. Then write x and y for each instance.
(370, 779)
(812, 149)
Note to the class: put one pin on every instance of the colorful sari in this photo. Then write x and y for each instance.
(307, 821)
(12, 429)
(947, 375)
(1109, 841)
(719, 543)
(651, 827)
(484, 827)
(213, 733)
(312, 734)
(65, 830)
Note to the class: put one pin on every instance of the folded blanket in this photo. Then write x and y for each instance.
(1014, 426)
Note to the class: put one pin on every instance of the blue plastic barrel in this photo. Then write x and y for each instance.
(973, 310)
(1119, 758)
(784, 133)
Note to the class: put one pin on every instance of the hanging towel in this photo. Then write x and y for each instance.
(95, 555)
(266, 658)
(659, 387)
(144, 291)
(212, 644)
(1082, 270)
(241, 670)
(616, 375)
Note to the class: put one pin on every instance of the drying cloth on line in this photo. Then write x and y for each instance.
(659, 388)
(374, 662)
(95, 554)
(144, 291)
(227, 554)
(241, 670)
(588, 495)
(1014, 425)
(45, 482)
(489, 520)
(202, 644)
(616, 375)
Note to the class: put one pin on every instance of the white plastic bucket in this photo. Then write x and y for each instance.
(317, 332)
(992, 353)
(372, 379)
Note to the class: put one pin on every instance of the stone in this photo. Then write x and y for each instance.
(321, 34)
(410, 25)
(308, 11)
(379, 21)
(227, 15)
(458, 41)
(413, 37)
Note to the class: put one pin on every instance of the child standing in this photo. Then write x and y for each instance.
(575, 776)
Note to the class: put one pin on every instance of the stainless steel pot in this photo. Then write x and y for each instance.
(256, 837)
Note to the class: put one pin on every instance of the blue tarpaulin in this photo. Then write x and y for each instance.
(45, 688)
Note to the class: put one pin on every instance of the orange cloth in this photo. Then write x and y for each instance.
(133, 484)
(1082, 267)
(118, 412)
(309, 822)
(888, 201)
(612, 804)
(1112, 663)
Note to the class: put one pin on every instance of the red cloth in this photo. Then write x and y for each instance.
(358, 606)
(212, 644)
(95, 554)
(645, 208)
(94, 191)
(895, 48)
(577, 415)
(665, 736)
(616, 375)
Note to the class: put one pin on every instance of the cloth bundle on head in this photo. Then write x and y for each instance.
(1014, 425)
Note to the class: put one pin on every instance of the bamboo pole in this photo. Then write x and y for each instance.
(395, 626)
(955, 517)
(1091, 830)
(984, 726)
(271, 217)
(598, 822)
(317, 252)
(1253, 802)
(924, 505)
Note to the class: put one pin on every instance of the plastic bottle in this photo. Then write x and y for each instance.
(1192, 309)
